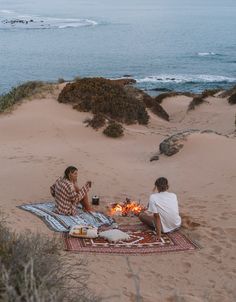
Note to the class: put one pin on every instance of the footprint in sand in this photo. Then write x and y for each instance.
(188, 223)
(187, 266)
(217, 249)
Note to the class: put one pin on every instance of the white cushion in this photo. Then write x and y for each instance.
(84, 231)
(114, 235)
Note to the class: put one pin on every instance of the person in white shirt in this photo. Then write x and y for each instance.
(163, 209)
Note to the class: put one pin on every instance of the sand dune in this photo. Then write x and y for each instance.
(215, 114)
(41, 137)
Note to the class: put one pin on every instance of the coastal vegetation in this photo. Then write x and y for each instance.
(26, 90)
(97, 121)
(210, 92)
(99, 95)
(114, 130)
(196, 101)
(232, 99)
(33, 269)
(60, 81)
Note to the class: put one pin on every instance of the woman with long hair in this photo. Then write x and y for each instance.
(67, 193)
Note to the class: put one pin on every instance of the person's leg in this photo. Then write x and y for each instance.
(85, 203)
(147, 219)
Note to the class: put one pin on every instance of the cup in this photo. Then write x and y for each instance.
(95, 200)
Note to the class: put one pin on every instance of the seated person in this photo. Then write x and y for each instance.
(163, 210)
(68, 195)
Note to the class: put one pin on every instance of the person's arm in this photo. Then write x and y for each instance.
(157, 223)
(52, 189)
(78, 194)
(77, 189)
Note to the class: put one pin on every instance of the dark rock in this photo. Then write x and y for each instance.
(170, 148)
(127, 76)
(160, 89)
(174, 143)
(155, 157)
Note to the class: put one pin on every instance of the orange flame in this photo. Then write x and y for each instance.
(126, 208)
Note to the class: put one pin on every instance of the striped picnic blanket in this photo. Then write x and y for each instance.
(63, 223)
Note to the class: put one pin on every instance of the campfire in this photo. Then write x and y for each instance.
(127, 208)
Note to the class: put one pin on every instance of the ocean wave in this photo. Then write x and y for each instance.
(6, 11)
(35, 22)
(205, 54)
(81, 22)
(186, 79)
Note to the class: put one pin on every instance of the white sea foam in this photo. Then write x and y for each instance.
(205, 54)
(186, 79)
(35, 22)
(77, 23)
(6, 11)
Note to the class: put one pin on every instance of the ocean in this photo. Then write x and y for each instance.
(165, 45)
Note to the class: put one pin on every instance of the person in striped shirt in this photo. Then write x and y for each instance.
(68, 195)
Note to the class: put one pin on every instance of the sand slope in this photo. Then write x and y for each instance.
(41, 137)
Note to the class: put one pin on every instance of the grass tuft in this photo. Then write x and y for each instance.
(114, 130)
(32, 269)
(26, 90)
(196, 101)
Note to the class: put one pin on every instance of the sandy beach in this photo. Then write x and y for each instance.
(41, 137)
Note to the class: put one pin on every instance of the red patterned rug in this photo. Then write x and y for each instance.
(142, 241)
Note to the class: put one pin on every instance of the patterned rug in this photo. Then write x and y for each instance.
(62, 223)
(142, 242)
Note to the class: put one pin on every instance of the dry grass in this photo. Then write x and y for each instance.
(33, 270)
(195, 102)
(26, 90)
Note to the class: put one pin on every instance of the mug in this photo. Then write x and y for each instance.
(95, 200)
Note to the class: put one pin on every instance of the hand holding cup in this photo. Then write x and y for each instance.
(89, 183)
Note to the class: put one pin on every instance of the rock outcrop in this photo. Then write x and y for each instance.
(175, 142)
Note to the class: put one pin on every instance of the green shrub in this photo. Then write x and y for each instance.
(104, 96)
(164, 95)
(97, 121)
(114, 130)
(159, 111)
(60, 81)
(228, 93)
(195, 102)
(209, 92)
(77, 78)
(232, 99)
(20, 92)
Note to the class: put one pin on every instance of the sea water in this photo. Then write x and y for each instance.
(182, 45)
